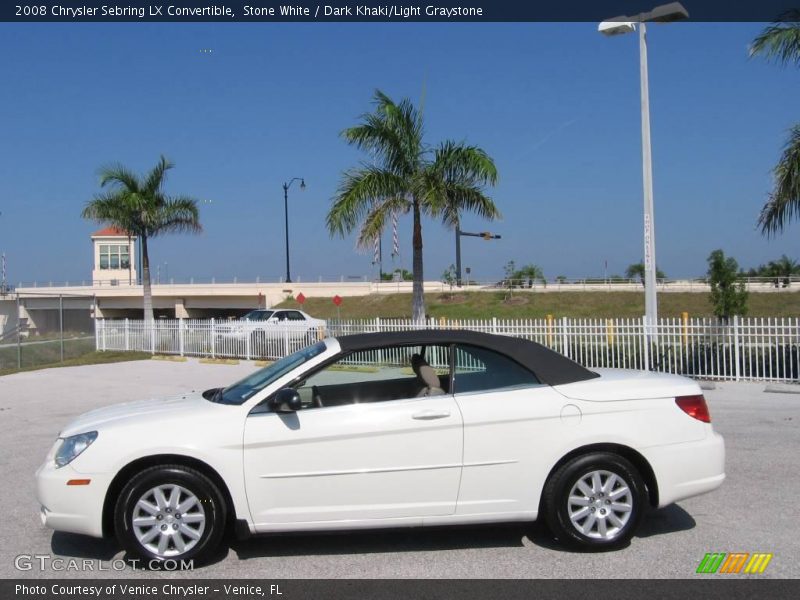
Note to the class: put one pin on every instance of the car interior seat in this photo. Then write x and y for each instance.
(428, 379)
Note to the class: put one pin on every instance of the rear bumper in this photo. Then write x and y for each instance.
(688, 469)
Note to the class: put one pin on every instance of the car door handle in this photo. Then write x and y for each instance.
(428, 415)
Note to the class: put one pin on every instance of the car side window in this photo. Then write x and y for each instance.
(379, 375)
(293, 315)
(281, 316)
(479, 370)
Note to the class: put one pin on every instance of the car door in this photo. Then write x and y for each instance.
(512, 424)
(354, 462)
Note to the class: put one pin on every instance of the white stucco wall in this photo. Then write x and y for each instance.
(8, 314)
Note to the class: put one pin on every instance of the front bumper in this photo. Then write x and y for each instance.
(688, 469)
(71, 508)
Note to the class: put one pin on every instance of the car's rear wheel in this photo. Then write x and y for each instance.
(170, 513)
(595, 501)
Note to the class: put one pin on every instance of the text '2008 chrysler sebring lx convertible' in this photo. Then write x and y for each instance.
(406, 429)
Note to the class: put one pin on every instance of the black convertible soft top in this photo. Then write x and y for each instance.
(549, 366)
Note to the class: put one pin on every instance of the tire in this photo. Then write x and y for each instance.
(193, 535)
(595, 502)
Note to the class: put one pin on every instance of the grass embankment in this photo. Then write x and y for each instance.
(532, 305)
(47, 355)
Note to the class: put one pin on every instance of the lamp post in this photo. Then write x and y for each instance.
(620, 25)
(286, 187)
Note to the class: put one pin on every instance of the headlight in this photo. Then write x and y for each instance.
(72, 447)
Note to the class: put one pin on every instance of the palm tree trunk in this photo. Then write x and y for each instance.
(418, 298)
(148, 293)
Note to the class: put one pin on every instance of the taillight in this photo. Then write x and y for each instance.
(695, 407)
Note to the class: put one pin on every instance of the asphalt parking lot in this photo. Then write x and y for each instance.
(754, 511)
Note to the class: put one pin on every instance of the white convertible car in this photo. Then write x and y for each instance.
(407, 429)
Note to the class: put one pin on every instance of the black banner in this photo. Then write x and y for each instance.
(742, 588)
(372, 11)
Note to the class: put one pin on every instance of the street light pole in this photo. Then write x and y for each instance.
(286, 187)
(619, 25)
(650, 298)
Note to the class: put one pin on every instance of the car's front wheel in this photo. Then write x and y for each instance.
(595, 501)
(170, 512)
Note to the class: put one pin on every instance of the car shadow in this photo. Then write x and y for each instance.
(670, 519)
(76, 546)
(383, 541)
(73, 545)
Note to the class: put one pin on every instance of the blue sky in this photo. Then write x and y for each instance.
(556, 105)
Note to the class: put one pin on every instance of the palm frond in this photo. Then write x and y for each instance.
(113, 209)
(154, 180)
(780, 41)
(784, 202)
(461, 198)
(120, 177)
(392, 134)
(377, 217)
(454, 181)
(459, 161)
(359, 190)
(376, 137)
(176, 214)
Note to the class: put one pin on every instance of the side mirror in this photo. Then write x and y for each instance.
(286, 400)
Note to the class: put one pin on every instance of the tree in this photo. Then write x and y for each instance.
(529, 273)
(405, 175)
(405, 275)
(784, 267)
(728, 294)
(508, 270)
(138, 205)
(637, 270)
(524, 276)
(449, 276)
(781, 41)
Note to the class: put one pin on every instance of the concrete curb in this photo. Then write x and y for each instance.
(218, 361)
(783, 388)
(169, 358)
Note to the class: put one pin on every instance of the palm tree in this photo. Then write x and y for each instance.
(781, 41)
(139, 206)
(784, 268)
(406, 175)
(637, 270)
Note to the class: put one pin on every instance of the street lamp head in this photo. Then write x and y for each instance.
(302, 183)
(666, 13)
(617, 26)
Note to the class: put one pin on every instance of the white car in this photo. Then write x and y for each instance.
(270, 319)
(407, 429)
(268, 330)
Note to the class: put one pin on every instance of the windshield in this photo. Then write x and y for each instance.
(257, 315)
(241, 391)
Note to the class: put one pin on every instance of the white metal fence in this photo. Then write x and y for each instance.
(754, 349)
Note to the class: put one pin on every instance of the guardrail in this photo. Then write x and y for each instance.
(514, 284)
(742, 349)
